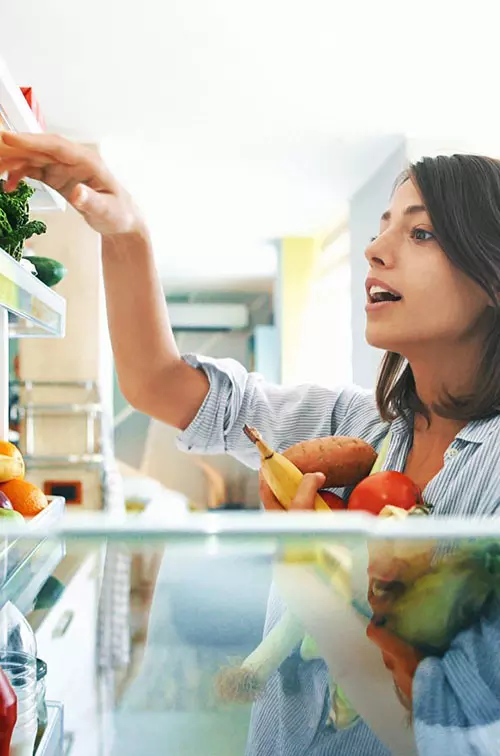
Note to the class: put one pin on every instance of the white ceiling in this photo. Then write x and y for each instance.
(235, 122)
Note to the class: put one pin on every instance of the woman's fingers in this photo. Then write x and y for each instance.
(16, 175)
(267, 497)
(61, 161)
(42, 148)
(75, 171)
(309, 487)
(304, 499)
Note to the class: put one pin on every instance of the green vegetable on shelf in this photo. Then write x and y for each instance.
(15, 224)
(48, 271)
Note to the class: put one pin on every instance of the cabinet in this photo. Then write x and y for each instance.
(66, 640)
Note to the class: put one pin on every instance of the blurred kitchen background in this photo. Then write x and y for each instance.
(262, 143)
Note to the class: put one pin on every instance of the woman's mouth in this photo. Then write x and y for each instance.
(379, 296)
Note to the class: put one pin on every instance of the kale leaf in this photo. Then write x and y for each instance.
(15, 224)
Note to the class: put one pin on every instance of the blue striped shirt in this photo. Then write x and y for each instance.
(456, 698)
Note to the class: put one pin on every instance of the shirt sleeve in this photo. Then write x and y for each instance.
(283, 415)
(456, 698)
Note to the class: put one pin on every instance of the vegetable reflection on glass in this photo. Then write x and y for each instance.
(344, 462)
(425, 598)
(15, 224)
(418, 598)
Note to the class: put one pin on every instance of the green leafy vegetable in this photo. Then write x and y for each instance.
(15, 224)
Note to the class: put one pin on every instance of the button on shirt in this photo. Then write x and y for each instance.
(456, 698)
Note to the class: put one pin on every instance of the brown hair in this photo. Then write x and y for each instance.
(462, 197)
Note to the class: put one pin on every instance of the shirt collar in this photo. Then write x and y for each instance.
(478, 431)
(474, 432)
(402, 425)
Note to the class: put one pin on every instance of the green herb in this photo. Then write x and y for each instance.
(15, 224)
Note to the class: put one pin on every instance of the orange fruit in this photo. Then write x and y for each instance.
(11, 461)
(25, 497)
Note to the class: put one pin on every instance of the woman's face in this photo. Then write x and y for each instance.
(427, 300)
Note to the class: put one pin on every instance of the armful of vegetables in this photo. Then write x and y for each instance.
(418, 604)
(345, 462)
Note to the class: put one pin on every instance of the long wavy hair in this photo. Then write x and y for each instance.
(462, 196)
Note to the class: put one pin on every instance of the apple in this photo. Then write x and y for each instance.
(11, 514)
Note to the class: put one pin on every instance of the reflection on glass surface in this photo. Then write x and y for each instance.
(153, 638)
(34, 309)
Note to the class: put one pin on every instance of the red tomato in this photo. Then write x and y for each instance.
(333, 501)
(383, 488)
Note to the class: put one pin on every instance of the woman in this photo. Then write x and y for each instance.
(433, 306)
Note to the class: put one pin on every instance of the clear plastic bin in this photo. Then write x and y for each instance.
(152, 664)
(27, 560)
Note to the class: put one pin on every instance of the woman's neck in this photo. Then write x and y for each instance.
(452, 374)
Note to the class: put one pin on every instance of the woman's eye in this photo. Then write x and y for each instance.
(373, 238)
(422, 235)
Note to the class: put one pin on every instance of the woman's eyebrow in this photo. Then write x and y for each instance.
(410, 210)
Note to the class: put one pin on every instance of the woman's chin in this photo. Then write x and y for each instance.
(380, 339)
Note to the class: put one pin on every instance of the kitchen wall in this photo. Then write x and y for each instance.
(314, 308)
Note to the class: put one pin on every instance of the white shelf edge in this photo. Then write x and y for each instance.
(41, 297)
(299, 526)
(21, 119)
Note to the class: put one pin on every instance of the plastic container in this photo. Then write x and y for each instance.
(16, 633)
(23, 740)
(20, 669)
(18, 661)
(8, 713)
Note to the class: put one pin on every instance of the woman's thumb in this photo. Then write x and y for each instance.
(311, 483)
(80, 197)
(93, 206)
(89, 203)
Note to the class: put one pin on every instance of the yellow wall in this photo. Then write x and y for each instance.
(314, 308)
(298, 261)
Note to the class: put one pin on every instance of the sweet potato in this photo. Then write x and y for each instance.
(342, 459)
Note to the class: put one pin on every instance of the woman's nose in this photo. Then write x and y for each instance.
(377, 253)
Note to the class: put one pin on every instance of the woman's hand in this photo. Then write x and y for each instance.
(304, 500)
(77, 173)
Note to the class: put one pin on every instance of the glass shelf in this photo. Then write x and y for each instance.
(34, 309)
(139, 643)
(28, 562)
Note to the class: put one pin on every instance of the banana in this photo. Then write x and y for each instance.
(281, 475)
